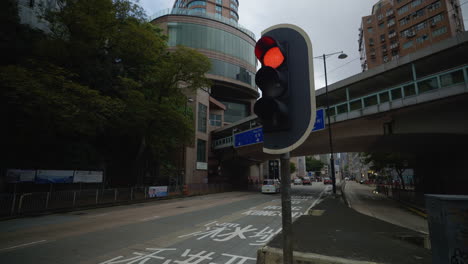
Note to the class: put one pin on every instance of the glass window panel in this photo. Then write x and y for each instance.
(370, 100)
(332, 111)
(384, 97)
(427, 85)
(355, 105)
(215, 120)
(452, 78)
(201, 150)
(342, 108)
(204, 37)
(410, 90)
(202, 111)
(235, 111)
(396, 93)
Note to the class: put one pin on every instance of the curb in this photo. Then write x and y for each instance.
(269, 255)
(413, 209)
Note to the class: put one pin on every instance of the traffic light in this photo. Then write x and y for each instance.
(287, 106)
(272, 79)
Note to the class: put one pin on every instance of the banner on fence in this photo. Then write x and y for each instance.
(54, 176)
(15, 175)
(157, 191)
(88, 176)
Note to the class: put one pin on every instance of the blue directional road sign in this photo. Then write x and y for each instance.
(248, 137)
(255, 136)
(319, 120)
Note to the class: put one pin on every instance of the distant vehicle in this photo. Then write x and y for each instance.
(297, 181)
(346, 178)
(362, 181)
(271, 186)
(318, 179)
(306, 180)
(327, 181)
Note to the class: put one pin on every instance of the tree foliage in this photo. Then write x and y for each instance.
(101, 87)
(292, 167)
(313, 164)
(380, 162)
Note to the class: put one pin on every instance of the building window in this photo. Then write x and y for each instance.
(420, 26)
(369, 20)
(370, 30)
(439, 31)
(416, 3)
(219, 9)
(234, 14)
(215, 120)
(196, 3)
(433, 6)
(199, 9)
(233, 6)
(403, 9)
(201, 150)
(382, 25)
(408, 44)
(235, 111)
(202, 111)
(421, 39)
(219, 2)
(371, 42)
(382, 38)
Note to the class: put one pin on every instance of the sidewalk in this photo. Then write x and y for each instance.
(361, 198)
(335, 233)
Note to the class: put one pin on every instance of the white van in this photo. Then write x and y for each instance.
(271, 186)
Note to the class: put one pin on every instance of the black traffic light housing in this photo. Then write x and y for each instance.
(287, 106)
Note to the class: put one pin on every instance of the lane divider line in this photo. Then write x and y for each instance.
(24, 245)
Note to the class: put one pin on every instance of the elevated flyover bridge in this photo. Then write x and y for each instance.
(417, 103)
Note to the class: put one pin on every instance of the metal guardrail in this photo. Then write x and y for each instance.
(36, 202)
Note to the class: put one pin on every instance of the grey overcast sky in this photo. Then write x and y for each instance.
(332, 26)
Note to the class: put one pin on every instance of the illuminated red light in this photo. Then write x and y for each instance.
(273, 58)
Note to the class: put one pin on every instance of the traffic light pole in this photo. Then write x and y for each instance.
(286, 209)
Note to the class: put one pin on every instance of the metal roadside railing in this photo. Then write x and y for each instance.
(13, 204)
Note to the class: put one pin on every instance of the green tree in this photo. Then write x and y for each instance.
(380, 162)
(292, 167)
(101, 86)
(313, 164)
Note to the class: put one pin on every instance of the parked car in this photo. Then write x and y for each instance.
(327, 181)
(362, 181)
(306, 180)
(271, 186)
(297, 181)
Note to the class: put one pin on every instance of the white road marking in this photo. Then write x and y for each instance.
(24, 245)
(319, 199)
(149, 218)
(98, 215)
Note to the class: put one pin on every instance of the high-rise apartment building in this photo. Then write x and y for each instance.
(399, 27)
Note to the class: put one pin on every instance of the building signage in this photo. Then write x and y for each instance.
(248, 137)
(157, 191)
(202, 166)
(54, 176)
(14, 175)
(319, 120)
(88, 176)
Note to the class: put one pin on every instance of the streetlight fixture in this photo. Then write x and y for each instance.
(332, 160)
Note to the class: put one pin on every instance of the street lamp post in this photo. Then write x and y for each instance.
(332, 159)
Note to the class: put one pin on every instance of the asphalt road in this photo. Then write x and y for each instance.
(212, 229)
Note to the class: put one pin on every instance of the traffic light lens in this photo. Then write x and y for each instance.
(263, 45)
(273, 58)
